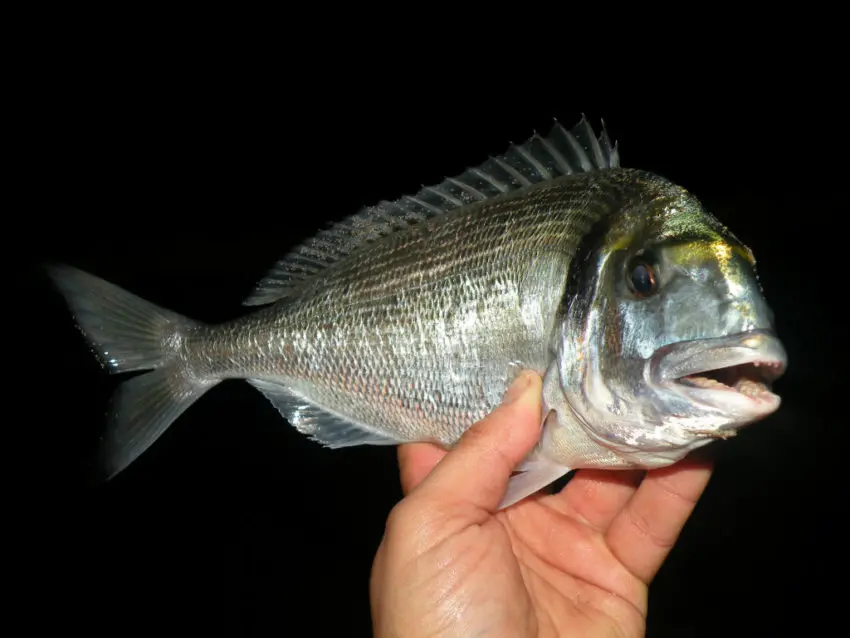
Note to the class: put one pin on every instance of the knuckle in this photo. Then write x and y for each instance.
(399, 516)
(676, 494)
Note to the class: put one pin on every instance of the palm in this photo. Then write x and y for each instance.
(573, 563)
(572, 581)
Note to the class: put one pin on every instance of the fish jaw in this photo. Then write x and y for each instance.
(728, 376)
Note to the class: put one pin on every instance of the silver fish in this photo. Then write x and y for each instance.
(408, 321)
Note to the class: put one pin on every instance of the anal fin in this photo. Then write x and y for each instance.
(323, 426)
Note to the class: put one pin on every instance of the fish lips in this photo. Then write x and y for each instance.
(730, 374)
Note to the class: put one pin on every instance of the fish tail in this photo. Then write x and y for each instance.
(130, 334)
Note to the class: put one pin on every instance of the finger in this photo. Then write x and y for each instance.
(644, 532)
(478, 469)
(415, 462)
(597, 496)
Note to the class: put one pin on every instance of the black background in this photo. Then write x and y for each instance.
(183, 177)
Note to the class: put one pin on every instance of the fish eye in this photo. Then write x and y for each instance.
(643, 280)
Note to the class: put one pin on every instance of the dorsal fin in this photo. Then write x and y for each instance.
(539, 159)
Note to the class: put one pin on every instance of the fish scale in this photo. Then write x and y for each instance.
(427, 294)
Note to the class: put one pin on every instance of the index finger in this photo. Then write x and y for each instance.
(415, 462)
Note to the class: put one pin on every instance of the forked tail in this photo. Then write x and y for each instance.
(128, 334)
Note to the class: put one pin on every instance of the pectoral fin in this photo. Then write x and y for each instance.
(533, 475)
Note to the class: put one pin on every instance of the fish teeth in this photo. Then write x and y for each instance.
(751, 388)
(705, 382)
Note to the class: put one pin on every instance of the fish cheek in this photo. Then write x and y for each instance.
(692, 309)
(643, 328)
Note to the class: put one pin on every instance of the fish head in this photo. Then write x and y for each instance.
(676, 345)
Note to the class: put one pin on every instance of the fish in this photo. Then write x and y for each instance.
(409, 319)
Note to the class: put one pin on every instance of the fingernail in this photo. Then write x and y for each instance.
(517, 389)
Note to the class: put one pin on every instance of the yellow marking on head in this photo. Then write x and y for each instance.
(621, 243)
(722, 251)
(723, 254)
(718, 251)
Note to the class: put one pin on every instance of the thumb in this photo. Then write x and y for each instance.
(478, 468)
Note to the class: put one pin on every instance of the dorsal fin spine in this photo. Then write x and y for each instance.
(541, 170)
(424, 205)
(489, 178)
(440, 192)
(522, 179)
(469, 189)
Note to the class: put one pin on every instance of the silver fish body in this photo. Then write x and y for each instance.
(408, 321)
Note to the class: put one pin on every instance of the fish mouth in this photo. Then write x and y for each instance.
(733, 374)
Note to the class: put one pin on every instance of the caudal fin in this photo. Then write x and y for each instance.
(128, 334)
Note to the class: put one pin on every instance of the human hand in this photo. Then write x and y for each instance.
(575, 563)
